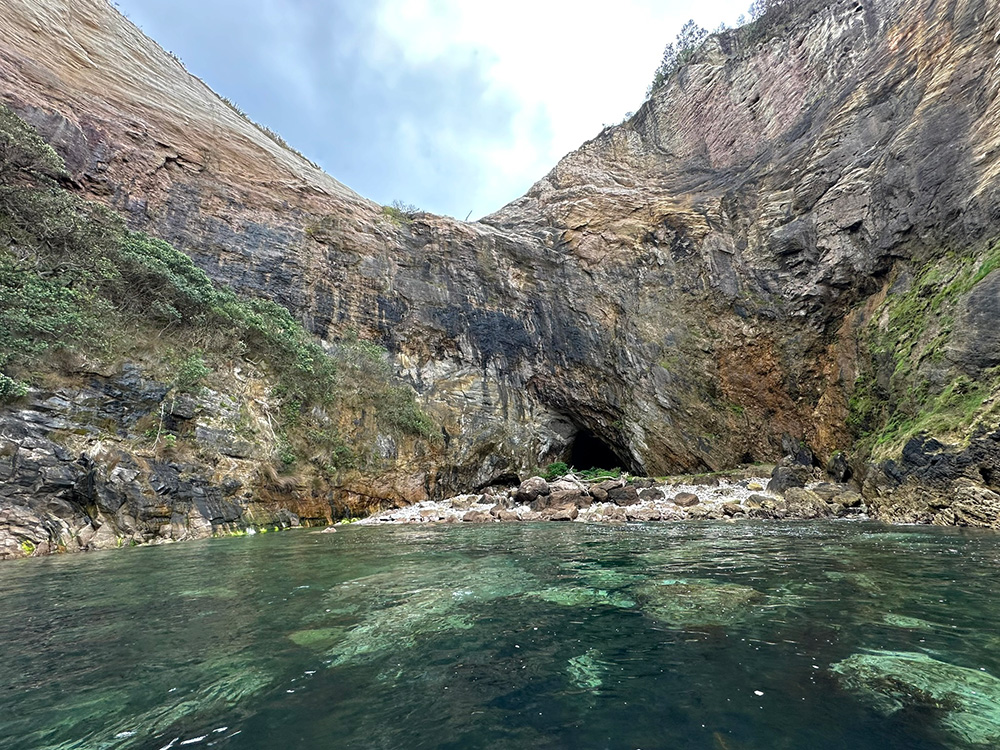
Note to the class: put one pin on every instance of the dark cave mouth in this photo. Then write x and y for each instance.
(587, 451)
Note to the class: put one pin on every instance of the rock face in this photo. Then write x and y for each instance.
(73, 476)
(686, 290)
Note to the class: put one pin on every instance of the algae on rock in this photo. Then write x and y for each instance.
(967, 700)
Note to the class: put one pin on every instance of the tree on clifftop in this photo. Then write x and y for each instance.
(678, 52)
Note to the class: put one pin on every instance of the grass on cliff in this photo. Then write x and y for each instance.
(73, 277)
(909, 387)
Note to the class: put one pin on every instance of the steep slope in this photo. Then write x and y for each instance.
(727, 273)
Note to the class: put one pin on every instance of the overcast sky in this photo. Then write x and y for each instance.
(456, 106)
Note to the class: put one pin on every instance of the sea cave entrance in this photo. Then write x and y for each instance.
(588, 451)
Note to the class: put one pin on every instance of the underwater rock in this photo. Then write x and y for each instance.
(582, 596)
(684, 602)
(317, 638)
(968, 700)
(586, 669)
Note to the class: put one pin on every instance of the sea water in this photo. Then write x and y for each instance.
(723, 636)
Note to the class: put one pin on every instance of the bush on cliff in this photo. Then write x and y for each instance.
(73, 277)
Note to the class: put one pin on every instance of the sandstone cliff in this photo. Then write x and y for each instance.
(733, 269)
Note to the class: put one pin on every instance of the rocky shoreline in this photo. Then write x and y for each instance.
(638, 499)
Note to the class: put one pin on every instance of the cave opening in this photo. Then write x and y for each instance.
(590, 452)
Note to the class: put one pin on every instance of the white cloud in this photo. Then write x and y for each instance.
(450, 104)
(570, 66)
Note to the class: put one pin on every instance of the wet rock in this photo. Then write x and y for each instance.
(614, 513)
(642, 514)
(733, 509)
(849, 499)
(685, 499)
(530, 489)
(565, 513)
(803, 503)
(477, 516)
(508, 515)
(286, 519)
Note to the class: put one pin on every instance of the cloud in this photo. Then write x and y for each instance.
(455, 106)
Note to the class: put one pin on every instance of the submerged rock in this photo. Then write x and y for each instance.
(681, 602)
(967, 700)
(586, 669)
(582, 596)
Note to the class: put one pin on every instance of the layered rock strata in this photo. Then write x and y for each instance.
(683, 293)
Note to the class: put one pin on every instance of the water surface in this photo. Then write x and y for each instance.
(693, 635)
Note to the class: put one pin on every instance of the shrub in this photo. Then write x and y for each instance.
(555, 470)
(11, 390)
(73, 276)
(191, 373)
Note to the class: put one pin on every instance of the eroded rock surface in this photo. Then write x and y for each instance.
(685, 290)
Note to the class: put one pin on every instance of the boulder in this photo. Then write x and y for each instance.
(614, 513)
(600, 490)
(685, 499)
(828, 490)
(733, 509)
(837, 467)
(849, 499)
(477, 516)
(530, 489)
(651, 494)
(636, 513)
(785, 477)
(564, 513)
(623, 496)
(803, 503)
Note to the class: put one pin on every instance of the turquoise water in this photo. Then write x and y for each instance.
(695, 635)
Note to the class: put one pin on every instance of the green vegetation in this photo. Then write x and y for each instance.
(555, 470)
(192, 373)
(592, 474)
(400, 213)
(689, 40)
(28, 547)
(74, 278)
(561, 468)
(909, 388)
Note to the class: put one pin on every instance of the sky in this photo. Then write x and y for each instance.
(454, 106)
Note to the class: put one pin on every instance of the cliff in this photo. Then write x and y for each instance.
(791, 242)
